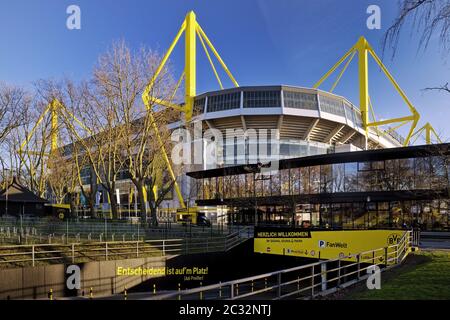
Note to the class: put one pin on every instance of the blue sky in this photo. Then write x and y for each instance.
(263, 42)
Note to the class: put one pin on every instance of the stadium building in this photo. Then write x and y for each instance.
(318, 126)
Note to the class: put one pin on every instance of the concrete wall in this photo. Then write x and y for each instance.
(36, 282)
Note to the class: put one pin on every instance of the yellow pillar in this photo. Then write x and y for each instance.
(190, 60)
(54, 133)
(144, 191)
(428, 133)
(155, 192)
(363, 71)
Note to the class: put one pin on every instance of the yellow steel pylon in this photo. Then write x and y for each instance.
(55, 108)
(192, 30)
(429, 130)
(363, 49)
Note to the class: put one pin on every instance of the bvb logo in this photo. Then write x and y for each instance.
(393, 239)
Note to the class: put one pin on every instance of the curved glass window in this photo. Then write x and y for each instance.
(300, 100)
(332, 105)
(262, 99)
(225, 101)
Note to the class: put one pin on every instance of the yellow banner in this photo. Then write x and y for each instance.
(329, 244)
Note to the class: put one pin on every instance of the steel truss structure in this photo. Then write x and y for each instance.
(55, 108)
(364, 49)
(192, 30)
(429, 131)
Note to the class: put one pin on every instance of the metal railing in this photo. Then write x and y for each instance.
(30, 231)
(13, 256)
(226, 243)
(306, 281)
(22, 255)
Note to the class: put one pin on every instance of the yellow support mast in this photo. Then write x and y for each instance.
(54, 127)
(55, 108)
(429, 131)
(363, 74)
(190, 69)
(364, 50)
(191, 30)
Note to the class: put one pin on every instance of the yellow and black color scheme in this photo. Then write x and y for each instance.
(187, 215)
(192, 215)
(60, 211)
(324, 244)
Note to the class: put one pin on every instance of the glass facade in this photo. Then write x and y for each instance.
(242, 151)
(225, 101)
(262, 99)
(282, 96)
(392, 193)
(199, 104)
(300, 100)
(332, 105)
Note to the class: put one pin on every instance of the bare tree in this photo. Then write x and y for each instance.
(123, 139)
(14, 103)
(62, 177)
(428, 18)
(32, 144)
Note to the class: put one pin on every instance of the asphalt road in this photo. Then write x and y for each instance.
(434, 244)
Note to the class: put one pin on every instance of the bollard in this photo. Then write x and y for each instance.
(265, 283)
(201, 292)
(179, 290)
(125, 294)
(220, 289)
(252, 285)
(91, 293)
(154, 288)
(50, 294)
(237, 289)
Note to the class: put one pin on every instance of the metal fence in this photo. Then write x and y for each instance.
(22, 255)
(306, 281)
(29, 231)
(13, 256)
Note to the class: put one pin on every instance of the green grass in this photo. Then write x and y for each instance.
(425, 275)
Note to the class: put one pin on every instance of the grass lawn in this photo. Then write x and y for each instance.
(424, 275)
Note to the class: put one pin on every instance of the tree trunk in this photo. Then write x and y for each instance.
(113, 202)
(72, 203)
(140, 187)
(153, 214)
(92, 196)
(153, 204)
